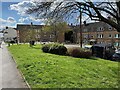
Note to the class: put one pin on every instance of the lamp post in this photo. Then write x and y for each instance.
(80, 28)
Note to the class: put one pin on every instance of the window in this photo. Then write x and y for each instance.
(100, 29)
(117, 35)
(99, 35)
(110, 36)
(92, 36)
(109, 27)
(117, 44)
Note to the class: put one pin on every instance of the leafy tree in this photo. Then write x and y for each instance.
(66, 9)
(56, 28)
(28, 34)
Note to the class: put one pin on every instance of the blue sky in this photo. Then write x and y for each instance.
(12, 13)
(6, 12)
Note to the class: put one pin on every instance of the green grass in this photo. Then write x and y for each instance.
(44, 70)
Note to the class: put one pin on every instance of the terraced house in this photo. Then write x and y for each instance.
(98, 32)
(37, 33)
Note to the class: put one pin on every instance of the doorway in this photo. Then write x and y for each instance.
(69, 37)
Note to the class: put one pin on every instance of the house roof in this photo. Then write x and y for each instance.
(26, 26)
(92, 27)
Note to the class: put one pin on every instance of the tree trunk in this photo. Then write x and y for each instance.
(55, 36)
(118, 21)
(55, 33)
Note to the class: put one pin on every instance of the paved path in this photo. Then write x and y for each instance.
(11, 77)
(72, 45)
(0, 68)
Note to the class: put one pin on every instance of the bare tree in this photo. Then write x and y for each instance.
(68, 9)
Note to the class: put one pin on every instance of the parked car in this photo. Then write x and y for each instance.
(116, 56)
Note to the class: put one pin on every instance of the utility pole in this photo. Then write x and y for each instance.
(80, 28)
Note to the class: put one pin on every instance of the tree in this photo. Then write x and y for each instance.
(27, 34)
(65, 9)
(56, 28)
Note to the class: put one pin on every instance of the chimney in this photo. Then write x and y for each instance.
(6, 27)
(31, 23)
(85, 23)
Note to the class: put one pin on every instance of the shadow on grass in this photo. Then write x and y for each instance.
(93, 58)
(36, 47)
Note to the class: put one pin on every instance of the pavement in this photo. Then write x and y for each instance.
(0, 68)
(10, 76)
(72, 45)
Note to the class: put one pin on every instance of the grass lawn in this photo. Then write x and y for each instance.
(44, 70)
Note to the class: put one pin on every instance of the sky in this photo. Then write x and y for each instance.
(12, 12)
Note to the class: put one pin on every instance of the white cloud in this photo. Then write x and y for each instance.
(10, 21)
(2, 20)
(36, 19)
(42, 23)
(21, 20)
(31, 19)
(11, 0)
(21, 7)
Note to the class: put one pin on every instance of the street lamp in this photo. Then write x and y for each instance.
(80, 28)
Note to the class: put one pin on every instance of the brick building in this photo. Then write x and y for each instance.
(98, 32)
(101, 33)
(36, 33)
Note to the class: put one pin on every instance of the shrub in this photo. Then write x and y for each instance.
(46, 47)
(79, 52)
(54, 49)
(62, 50)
